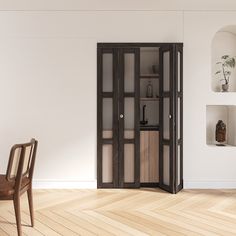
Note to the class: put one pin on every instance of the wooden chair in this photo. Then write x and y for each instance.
(18, 178)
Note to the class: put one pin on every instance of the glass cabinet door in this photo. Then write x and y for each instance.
(107, 149)
(129, 118)
(179, 117)
(118, 118)
(166, 118)
(171, 118)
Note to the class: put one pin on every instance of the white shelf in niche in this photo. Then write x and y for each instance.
(226, 113)
(214, 145)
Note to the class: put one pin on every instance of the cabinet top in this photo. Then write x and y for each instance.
(123, 45)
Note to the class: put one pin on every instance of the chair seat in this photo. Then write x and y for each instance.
(7, 188)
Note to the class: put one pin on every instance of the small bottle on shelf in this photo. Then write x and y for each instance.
(149, 91)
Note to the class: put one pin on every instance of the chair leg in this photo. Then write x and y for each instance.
(31, 208)
(16, 201)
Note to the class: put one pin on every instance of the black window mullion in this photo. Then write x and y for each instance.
(115, 118)
(172, 121)
(121, 118)
(161, 93)
(179, 95)
(99, 118)
(137, 119)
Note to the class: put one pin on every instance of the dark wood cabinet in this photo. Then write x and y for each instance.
(139, 115)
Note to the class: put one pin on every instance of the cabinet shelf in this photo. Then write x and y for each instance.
(149, 127)
(150, 99)
(149, 76)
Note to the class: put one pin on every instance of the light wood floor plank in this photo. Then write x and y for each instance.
(8, 226)
(3, 233)
(125, 212)
(112, 229)
(124, 218)
(85, 225)
(41, 227)
(118, 224)
(160, 226)
(53, 224)
(187, 223)
(28, 230)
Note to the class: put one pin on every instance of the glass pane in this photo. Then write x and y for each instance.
(129, 72)
(179, 117)
(107, 117)
(129, 163)
(166, 71)
(150, 112)
(107, 133)
(129, 134)
(166, 165)
(179, 68)
(144, 83)
(178, 165)
(107, 69)
(129, 117)
(149, 60)
(166, 118)
(107, 170)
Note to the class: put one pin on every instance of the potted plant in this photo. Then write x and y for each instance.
(226, 64)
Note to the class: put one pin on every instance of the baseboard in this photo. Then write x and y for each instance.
(188, 184)
(209, 184)
(64, 184)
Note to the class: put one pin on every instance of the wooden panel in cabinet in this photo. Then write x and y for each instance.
(149, 156)
(144, 156)
(154, 156)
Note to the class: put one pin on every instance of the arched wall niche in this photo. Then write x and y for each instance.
(223, 43)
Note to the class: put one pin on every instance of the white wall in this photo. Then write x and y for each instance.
(204, 166)
(232, 125)
(48, 80)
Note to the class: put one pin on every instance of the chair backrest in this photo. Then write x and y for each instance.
(21, 161)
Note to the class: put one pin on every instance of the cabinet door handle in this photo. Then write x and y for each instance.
(170, 116)
(121, 116)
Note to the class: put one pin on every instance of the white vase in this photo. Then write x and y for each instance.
(225, 87)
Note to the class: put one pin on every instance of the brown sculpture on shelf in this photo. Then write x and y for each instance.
(220, 132)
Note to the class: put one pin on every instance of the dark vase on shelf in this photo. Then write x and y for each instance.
(149, 92)
(220, 133)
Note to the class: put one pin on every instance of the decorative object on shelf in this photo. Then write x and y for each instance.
(226, 64)
(149, 92)
(220, 133)
(155, 69)
(144, 121)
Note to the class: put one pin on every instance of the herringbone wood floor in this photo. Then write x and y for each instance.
(125, 212)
